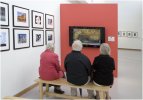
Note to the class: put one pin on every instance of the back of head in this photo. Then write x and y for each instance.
(104, 49)
(50, 46)
(77, 45)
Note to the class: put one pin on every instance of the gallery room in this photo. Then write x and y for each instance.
(71, 49)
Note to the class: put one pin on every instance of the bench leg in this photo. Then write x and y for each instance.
(80, 90)
(41, 90)
(47, 89)
(102, 95)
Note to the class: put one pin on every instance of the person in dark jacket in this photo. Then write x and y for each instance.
(103, 67)
(78, 68)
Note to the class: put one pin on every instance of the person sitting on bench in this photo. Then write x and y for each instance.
(49, 67)
(78, 68)
(103, 67)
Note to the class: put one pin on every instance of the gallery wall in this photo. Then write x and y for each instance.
(19, 68)
(130, 20)
(97, 15)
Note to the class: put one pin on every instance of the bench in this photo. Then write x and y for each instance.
(63, 82)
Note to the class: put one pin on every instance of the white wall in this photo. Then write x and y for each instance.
(130, 19)
(19, 68)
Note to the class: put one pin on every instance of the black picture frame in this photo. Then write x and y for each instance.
(49, 21)
(39, 15)
(22, 40)
(20, 17)
(5, 14)
(37, 38)
(7, 41)
(49, 34)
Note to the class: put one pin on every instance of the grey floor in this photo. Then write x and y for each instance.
(128, 85)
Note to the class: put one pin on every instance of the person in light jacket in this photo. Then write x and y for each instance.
(102, 68)
(49, 67)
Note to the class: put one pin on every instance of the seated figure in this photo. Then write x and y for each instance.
(49, 67)
(78, 68)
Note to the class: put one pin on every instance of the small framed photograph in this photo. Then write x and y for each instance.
(37, 19)
(37, 38)
(119, 33)
(129, 34)
(135, 34)
(50, 38)
(21, 38)
(4, 39)
(4, 14)
(20, 17)
(124, 33)
(49, 21)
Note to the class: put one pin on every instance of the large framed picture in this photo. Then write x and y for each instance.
(21, 38)
(37, 38)
(37, 19)
(4, 39)
(50, 38)
(49, 21)
(20, 17)
(4, 14)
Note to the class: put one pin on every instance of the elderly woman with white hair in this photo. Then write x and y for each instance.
(49, 66)
(78, 68)
(103, 67)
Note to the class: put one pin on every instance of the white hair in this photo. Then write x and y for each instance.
(77, 45)
(50, 46)
(105, 49)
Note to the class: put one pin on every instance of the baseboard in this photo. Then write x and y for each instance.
(129, 49)
(26, 90)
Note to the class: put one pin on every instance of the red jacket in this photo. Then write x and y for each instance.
(49, 66)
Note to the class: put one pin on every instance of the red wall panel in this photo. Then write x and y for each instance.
(96, 15)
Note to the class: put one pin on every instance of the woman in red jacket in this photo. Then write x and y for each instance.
(49, 67)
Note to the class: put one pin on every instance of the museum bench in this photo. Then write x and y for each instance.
(63, 82)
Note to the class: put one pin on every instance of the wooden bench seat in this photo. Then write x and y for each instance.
(63, 82)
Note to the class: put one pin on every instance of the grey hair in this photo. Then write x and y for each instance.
(77, 45)
(105, 49)
(50, 46)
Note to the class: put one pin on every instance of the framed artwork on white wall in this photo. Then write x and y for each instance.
(4, 39)
(21, 38)
(37, 19)
(135, 34)
(119, 33)
(49, 21)
(129, 34)
(4, 14)
(37, 38)
(20, 17)
(50, 38)
(124, 33)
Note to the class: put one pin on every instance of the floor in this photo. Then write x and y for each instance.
(128, 85)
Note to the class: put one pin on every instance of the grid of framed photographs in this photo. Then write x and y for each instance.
(42, 27)
(129, 34)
